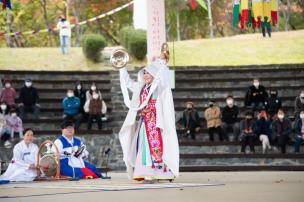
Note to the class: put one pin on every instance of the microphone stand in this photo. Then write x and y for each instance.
(106, 169)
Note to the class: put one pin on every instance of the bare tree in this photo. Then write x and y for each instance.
(76, 12)
(43, 5)
(210, 20)
(286, 10)
(8, 28)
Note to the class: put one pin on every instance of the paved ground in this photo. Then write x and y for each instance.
(226, 186)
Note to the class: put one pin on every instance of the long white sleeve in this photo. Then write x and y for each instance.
(125, 79)
(17, 157)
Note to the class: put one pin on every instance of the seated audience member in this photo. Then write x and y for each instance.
(1, 85)
(230, 118)
(71, 108)
(72, 154)
(14, 124)
(213, 118)
(273, 103)
(262, 129)
(299, 130)
(190, 120)
(23, 165)
(5, 133)
(81, 94)
(29, 100)
(281, 130)
(94, 109)
(8, 94)
(299, 104)
(256, 96)
(93, 88)
(247, 136)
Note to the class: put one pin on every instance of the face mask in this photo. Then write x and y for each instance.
(28, 84)
(211, 105)
(95, 96)
(229, 102)
(70, 94)
(14, 114)
(3, 107)
(79, 87)
(93, 88)
(302, 116)
(189, 108)
(302, 97)
(7, 85)
(280, 116)
(256, 84)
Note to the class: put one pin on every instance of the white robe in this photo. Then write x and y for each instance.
(19, 170)
(165, 117)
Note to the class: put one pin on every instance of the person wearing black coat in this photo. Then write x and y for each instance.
(281, 130)
(256, 96)
(262, 129)
(230, 118)
(299, 104)
(273, 103)
(29, 100)
(80, 92)
(190, 120)
(247, 136)
(299, 130)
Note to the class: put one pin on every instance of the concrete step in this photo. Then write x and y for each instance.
(180, 78)
(54, 124)
(194, 168)
(234, 89)
(56, 75)
(241, 84)
(239, 159)
(203, 136)
(227, 149)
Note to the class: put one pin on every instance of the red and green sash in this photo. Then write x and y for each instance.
(153, 133)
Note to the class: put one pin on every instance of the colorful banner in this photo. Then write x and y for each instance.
(254, 12)
(72, 25)
(6, 4)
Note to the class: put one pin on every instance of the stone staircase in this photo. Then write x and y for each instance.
(192, 83)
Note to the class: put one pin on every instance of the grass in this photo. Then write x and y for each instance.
(282, 48)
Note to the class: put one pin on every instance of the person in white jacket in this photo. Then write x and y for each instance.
(65, 34)
(23, 165)
(150, 146)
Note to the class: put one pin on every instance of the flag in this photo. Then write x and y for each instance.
(202, 4)
(274, 12)
(244, 10)
(6, 4)
(266, 10)
(257, 9)
(193, 4)
(236, 13)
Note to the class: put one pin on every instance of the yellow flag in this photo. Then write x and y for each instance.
(267, 10)
(257, 9)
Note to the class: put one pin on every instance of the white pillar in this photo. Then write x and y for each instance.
(140, 14)
(156, 27)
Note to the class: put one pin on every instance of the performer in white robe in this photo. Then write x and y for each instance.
(23, 164)
(150, 146)
(72, 154)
